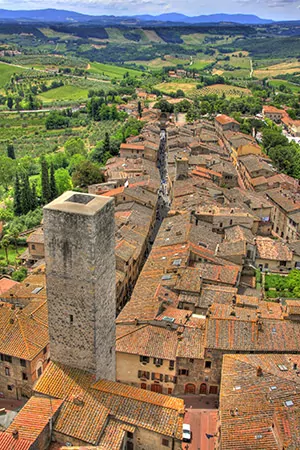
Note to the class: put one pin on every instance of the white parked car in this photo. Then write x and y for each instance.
(187, 434)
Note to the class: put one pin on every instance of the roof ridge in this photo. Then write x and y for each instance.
(37, 308)
(22, 331)
(131, 332)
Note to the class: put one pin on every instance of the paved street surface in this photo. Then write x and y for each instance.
(202, 416)
(11, 404)
(11, 409)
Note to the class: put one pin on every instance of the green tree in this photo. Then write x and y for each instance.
(75, 146)
(75, 160)
(272, 138)
(52, 183)
(63, 180)
(26, 198)
(106, 143)
(114, 115)
(17, 197)
(11, 151)
(46, 195)
(164, 106)
(5, 243)
(140, 109)
(56, 120)
(87, 173)
(10, 102)
(19, 275)
(34, 197)
(7, 171)
(14, 236)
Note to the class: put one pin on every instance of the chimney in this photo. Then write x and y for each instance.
(259, 325)
(15, 434)
(259, 371)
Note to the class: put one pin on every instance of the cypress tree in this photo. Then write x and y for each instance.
(106, 145)
(45, 181)
(34, 199)
(52, 186)
(26, 197)
(11, 151)
(17, 197)
(140, 110)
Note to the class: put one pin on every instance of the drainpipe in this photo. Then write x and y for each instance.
(173, 441)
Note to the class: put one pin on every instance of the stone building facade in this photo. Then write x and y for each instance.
(80, 261)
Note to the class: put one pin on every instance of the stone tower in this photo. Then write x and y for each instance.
(81, 279)
(181, 166)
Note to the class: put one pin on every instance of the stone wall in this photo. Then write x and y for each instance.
(80, 272)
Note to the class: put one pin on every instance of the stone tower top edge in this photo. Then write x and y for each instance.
(79, 203)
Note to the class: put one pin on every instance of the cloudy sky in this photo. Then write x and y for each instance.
(271, 9)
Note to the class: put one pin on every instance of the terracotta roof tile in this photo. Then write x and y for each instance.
(8, 442)
(223, 119)
(34, 417)
(86, 420)
(23, 332)
(6, 284)
(149, 340)
(273, 250)
(253, 411)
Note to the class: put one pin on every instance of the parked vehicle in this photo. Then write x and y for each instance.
(187, 434)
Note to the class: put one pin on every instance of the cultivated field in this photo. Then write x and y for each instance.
(28, 133)
(220, 89)
(152, 36)
(193, 39)
(108, 70)
(278, 69)
(188, 87)
(6, 71)
(238, 66)
(64, 93)
(294, 88)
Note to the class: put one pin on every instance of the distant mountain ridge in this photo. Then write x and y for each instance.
(249, 19)
(56, 15)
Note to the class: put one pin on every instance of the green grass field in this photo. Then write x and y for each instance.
(64, 93)
(111, 71)
(240, 65)
(276, 83)
(193, 39)
(116, 35)
(188, 87)
(12, 254)
(6, 71)
(200, 65)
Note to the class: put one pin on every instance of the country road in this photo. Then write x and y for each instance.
(251, 68)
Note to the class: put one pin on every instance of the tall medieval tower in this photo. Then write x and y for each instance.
(81, 278)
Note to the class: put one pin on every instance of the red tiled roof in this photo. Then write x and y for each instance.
(272, 110)
(149, 340)
(253, 409)
(34, 417)
(6, 284)
(223, 119)
(87, 421)
(23, 333)
(271, 249)
(8, 442)
(132, 146)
